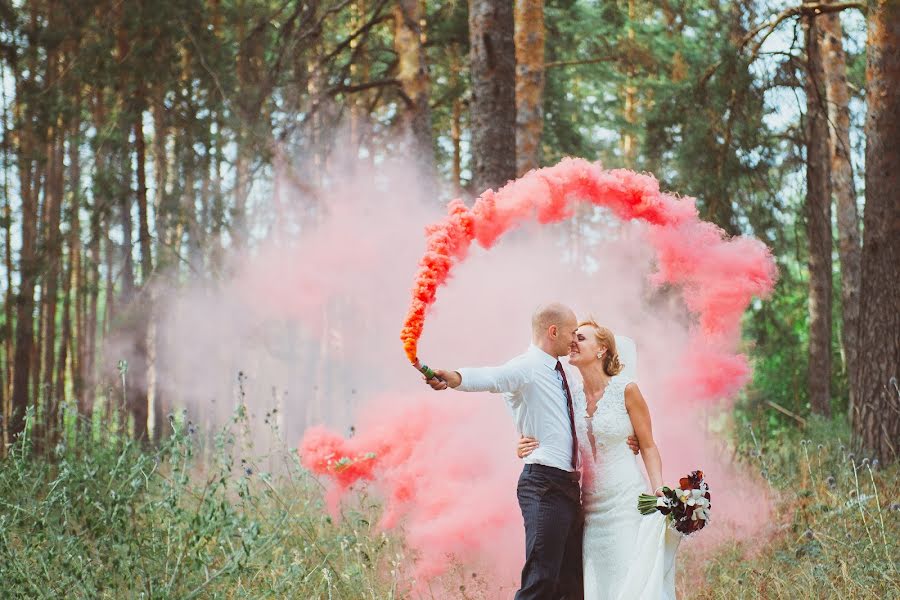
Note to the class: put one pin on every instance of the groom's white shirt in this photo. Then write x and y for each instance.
(534, 394)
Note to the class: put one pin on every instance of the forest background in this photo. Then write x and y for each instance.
(143, 145)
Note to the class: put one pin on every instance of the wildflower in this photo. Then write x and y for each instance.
(875, 463)
(764, 474)
(865, 461)
(820, 447)
(895, 507)
(831, 481)
(851, 457)
(248, 471)
(803, 442)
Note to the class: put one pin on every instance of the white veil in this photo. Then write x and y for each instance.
(627, 356)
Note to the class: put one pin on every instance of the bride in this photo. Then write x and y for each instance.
(626, 555)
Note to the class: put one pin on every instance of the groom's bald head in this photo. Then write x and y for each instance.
(553, 327)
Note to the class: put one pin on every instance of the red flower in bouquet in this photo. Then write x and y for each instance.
(686, 507)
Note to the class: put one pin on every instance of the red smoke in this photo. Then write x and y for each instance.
(717, 276)
(445, 465)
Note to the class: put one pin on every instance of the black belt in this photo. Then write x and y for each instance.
(552, 472)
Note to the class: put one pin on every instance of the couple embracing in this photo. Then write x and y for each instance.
(584, 537)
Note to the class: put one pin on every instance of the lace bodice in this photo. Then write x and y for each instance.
(610, 424)
(602, 437)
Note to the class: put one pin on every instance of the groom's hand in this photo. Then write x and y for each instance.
(634, 444)
(444, 379)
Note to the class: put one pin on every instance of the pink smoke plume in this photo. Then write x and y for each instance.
(717, 276)
(445, 475)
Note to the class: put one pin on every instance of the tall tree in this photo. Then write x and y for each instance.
(412, 73)
(877, 420)
(629, 139)
(818, 224)
(493, 105)
(530, 34)
(26, 94)
(849, 248)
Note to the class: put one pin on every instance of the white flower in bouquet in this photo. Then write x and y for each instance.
(687, 507)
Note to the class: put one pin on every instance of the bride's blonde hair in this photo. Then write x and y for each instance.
(611, 364)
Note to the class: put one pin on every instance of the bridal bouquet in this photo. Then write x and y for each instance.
(686, 507)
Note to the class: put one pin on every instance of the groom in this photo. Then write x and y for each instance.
(536, 388)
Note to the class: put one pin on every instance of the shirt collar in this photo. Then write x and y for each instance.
(547, 360)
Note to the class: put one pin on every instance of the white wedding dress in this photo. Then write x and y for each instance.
(627, 556)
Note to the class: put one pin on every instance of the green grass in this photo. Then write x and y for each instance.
(115, 521)
(836, 530)
(202, 517)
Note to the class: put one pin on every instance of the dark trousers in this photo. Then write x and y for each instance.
(550, 500)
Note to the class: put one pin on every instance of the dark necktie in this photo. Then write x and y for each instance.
(565, 382)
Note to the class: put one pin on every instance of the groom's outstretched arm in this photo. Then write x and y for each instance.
(506, 378)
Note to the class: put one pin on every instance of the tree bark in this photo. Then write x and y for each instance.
(143, 219)
(529, 23)
(456, 122)
(849, 248)
(876, 424)
(493, 106)
(412, 73)
(75, 289)
(64, 341)
(629, 143)
(818, 225)
(50, 284)
(9, 297)
(28, 268)
(155, 393)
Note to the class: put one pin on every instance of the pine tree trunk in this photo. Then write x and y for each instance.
(161, 170)
(143, 219)
(50, 291)
(140, 310)
(93, 280)
(849, 248)
(456, 122)
(99, 215)
(28, 267)
(529, 38)
(493, 106)
(155, 393)
(64, 341)
(412, 73)
(818, 225)
(9, 296)
(876, 424)
(77, 282)
(74, 291)
(114, 404)
(629, 113)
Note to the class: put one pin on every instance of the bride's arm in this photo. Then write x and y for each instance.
(640, 421)
(526, 446)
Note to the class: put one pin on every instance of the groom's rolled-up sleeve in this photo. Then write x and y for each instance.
(506, 378)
